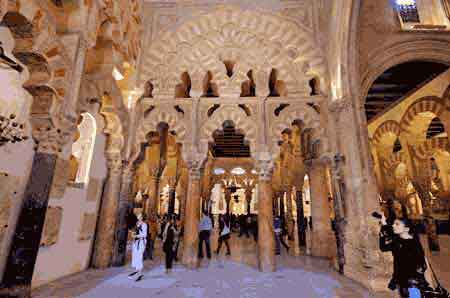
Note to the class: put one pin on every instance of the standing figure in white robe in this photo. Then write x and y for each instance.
(138, 249)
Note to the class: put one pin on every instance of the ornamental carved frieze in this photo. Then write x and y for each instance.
(53, 218)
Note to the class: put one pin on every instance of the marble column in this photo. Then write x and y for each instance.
(172, 186)
(25, 243)
(289, 220)
(322, 235)
(151, 204)
(301, 225)
(182, 198)
(248, 198)
(106, 226)
(191, 220)
(227, 200)
(125, 202)
(266, 239)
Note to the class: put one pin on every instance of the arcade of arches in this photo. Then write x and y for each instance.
(297, 109)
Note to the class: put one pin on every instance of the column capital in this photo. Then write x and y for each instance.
(172, 182)
(128, 172)
(114, 162)
(154, 173)
(51, 139)
(265, 168)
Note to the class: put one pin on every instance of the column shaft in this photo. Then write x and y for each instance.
(151, 206)
(120, 247)
(25, 243)
(266, 238)
(191, 221)
(104, 241)
(301, 225)
(322, 235)
(290, 224)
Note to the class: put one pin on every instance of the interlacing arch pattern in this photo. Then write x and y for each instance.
(157, 116)
(431, 146)
(305, 113)
(387, 127)
(252, 41)
(431, 104)
(235, 114)
(392, 162)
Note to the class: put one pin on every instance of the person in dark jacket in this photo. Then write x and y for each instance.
(409, 258)
(169, 241)
(224, 235)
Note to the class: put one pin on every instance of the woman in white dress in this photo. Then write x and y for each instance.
(138, 249)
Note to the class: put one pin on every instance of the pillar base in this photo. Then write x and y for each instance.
(374, 277)
(20, 291)
(322, 245)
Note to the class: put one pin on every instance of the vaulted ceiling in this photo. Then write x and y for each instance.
(398, 82)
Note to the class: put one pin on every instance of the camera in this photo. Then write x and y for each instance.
(377, 215)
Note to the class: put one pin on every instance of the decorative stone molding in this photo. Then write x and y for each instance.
(225, 35)
(52, 225)
(87, 227)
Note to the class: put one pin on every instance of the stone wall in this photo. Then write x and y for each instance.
(68, 248)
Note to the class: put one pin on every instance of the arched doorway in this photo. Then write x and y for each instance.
(404, 107)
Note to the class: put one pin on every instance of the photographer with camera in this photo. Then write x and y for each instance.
(409, 258)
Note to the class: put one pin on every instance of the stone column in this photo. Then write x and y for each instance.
(120, 247)
(290, 225)
(301, 226)
(227, 200)
(248, 198)
(106, 226)
(322, 235)
(182, 198)
(151, 204)
(172, 186)
(192, 218)
(27, 237)
(266, 238)
(353, 179)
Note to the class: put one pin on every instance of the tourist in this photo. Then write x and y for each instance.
(409, 258)
(169, 242)
(224, 235)
(278, 236)
(205, 228)
(139, 244)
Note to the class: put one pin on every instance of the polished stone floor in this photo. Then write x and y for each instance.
(223, 276)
